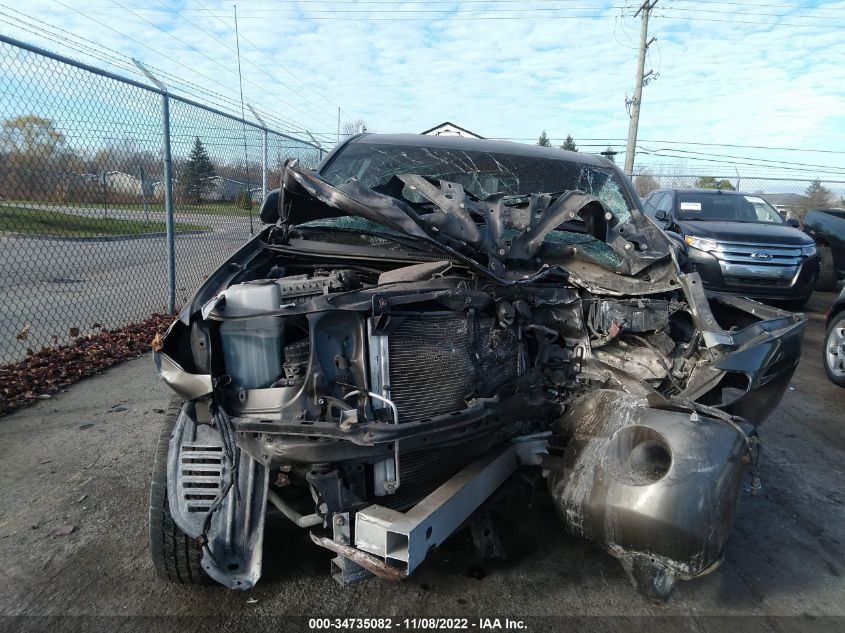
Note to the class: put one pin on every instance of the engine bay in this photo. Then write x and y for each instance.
(379, 389)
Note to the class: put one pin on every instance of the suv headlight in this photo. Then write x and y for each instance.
(702, 244)
(808, 251)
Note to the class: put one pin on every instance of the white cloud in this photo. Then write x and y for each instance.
(725, 82)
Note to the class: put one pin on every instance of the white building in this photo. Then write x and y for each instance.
(450, 129)
(122, 183)
(222, 189)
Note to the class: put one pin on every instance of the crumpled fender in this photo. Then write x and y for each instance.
(658, 488)
(197, 472)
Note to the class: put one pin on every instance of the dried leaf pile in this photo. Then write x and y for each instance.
(51, 369)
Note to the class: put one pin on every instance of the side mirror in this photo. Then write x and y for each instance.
(661, 215)
(270, 208)
(794, 223)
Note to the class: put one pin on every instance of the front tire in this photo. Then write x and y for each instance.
(827, 272)
(833, 351)
(176, 556)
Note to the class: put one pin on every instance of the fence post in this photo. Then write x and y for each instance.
(105, 198)
(168, 205)
(143, 178)
(264, 169)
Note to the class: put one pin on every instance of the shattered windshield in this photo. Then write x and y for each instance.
(482, 174)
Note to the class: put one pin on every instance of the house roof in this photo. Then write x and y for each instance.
(786, 199)
(450, 124)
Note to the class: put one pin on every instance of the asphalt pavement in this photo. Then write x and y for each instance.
(57, 284)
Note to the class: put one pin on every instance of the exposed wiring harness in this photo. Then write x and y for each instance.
(232, 454)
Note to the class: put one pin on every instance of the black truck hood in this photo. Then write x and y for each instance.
(758, 232)
(505, 239)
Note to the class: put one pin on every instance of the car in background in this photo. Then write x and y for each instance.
(833, 350)
(827, 228)
(738, 243)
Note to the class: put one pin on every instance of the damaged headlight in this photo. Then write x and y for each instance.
(808, 251)
(702, 244)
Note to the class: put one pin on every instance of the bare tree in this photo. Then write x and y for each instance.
(351, 128)
(29, 145)
(645, 183)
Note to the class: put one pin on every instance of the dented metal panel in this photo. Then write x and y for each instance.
(657, 488)
(425, 315)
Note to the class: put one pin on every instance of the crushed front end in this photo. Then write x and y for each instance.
(377, 363)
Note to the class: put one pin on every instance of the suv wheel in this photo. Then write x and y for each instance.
(827, 275)
(834, 350)
(176, 556)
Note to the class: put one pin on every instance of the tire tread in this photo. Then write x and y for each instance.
(837, 320)
(827, 274)
(176, 556)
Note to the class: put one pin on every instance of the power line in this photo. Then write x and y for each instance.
(755, 5)
(116, 61)
(214, 61)
(759, 160)
(485, 13)
(742, 163)
(486, 17)
(209, 97)
(275, 63)
(620, 139)
(178, 63)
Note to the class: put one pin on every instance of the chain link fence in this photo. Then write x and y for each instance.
(116, 198)
(792, 197)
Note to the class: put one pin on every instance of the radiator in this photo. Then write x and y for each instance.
(430, 367)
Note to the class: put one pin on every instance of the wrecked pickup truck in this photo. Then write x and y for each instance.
(424, 316)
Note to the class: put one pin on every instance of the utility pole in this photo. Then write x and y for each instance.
(645, 10)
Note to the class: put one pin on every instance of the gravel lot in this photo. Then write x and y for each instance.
(82, 458)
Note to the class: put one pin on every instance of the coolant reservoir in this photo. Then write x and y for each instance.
(252, 348)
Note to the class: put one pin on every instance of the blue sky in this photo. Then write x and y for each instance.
(754, 72)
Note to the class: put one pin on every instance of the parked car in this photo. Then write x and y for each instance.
(738, 243)
(833, 350)
(827, 228)
(424, 315)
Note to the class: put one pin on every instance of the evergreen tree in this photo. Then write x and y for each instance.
(195, 176)
(544, 141)
(569, 144)
(818, 196)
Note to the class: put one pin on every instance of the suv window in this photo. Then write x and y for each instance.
(726, 207)
(651, 201)
(665, 204)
